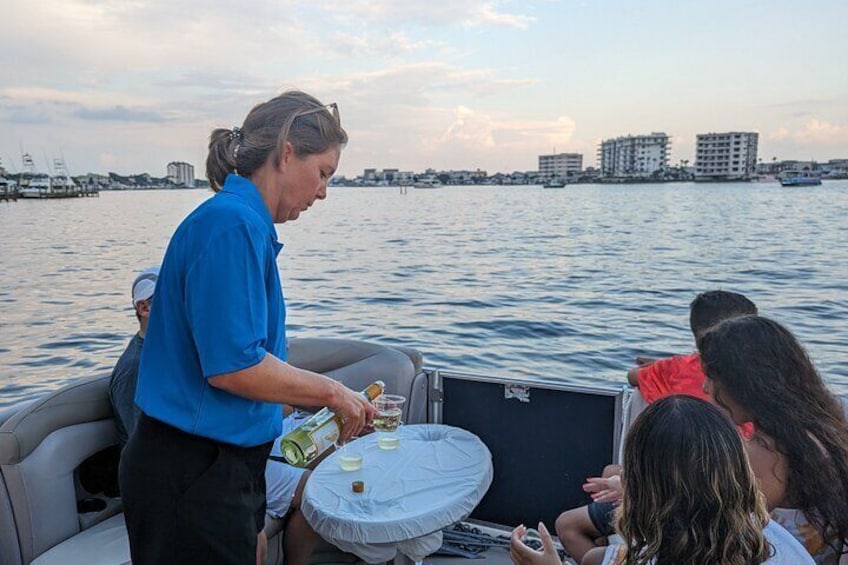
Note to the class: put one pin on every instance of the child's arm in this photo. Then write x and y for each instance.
(633, 374)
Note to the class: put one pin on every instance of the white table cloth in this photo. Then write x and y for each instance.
(435, 477)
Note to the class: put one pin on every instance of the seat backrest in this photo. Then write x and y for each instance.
(10, 550)
(40, 448)
(359, 363)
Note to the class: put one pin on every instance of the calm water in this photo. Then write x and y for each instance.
(567, 284)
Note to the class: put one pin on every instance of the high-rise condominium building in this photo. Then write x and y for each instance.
(560, 164)
(633, 155)
(181, 174)
(726, 156)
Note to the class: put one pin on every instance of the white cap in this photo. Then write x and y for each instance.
(144, 284)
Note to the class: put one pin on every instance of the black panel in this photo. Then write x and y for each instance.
(542, 450)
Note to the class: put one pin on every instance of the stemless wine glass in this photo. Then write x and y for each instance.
(389, 414)
(349, 456)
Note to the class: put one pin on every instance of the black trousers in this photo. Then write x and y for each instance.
(189, 499)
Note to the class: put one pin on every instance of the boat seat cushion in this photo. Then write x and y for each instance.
(105, 543)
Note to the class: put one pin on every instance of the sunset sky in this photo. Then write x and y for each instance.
(129, 85)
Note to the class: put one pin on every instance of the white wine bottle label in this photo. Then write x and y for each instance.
(325, 436)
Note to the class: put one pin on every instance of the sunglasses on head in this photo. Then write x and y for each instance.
(333, 109)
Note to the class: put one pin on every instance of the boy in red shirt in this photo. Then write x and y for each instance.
(682, 374)
(578, 528)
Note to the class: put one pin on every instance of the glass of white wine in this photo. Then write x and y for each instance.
(389, 415)
(349, 456)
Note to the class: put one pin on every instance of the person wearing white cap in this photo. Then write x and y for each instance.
(122, 383)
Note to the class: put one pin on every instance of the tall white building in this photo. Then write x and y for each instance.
(560, 164)
(181, 174)
(634, 155)
(726, 156)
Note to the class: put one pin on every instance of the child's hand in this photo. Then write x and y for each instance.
(642, 361)
(604, 490)
(523, 555)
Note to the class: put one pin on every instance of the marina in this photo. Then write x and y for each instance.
(31, 183)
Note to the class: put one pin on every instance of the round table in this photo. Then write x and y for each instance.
(435, 477)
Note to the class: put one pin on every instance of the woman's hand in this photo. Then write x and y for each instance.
(604, 489)
(355, 412)
(523, 555)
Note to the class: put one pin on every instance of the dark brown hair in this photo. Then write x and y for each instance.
(293, 116)
(763, 368)
(715, 306)
(689, 493)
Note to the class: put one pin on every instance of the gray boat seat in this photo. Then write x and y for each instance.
(43, 443)
(105, 543)
(9, 547)
(41, 448)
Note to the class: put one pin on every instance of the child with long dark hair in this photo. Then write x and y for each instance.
(690, 496)
(759, 372)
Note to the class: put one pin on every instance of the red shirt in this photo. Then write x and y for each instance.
(680, 374)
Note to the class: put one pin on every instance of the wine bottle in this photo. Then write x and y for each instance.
(317, 434)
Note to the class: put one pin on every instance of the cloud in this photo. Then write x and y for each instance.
(780, 133)
(813, 132)
(433, 13)
(479, 130)
(107, 160)
(21, 114)
(368, 44)
(817, 132)
(118, 114)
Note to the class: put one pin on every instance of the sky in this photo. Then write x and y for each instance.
(130, 85)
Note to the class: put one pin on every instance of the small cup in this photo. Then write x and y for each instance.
(349, 457)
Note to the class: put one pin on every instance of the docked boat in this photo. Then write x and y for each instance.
(34, 184)
(428, 182)
(58, 454)
(8, 189)
(799, 178)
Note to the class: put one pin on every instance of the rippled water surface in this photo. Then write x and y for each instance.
(568, 284)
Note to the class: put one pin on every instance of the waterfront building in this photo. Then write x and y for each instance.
(180, 173)
(560, 165)
(726, 156)
(634, 155)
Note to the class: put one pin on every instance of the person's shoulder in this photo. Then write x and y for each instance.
(131, 351)
(685, 358)
(787, 549)
(220, 217)
(687, 361)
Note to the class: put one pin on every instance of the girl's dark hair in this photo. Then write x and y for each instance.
(689, 493)
(293, 116)
(763, 368)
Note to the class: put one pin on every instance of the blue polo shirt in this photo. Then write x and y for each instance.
(218, 308)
